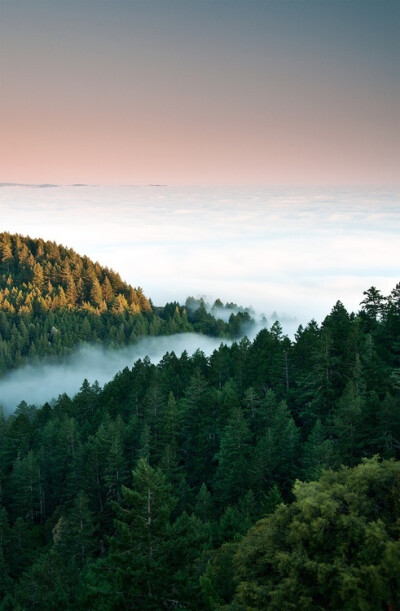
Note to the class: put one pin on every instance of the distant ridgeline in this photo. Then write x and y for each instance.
(52, 299)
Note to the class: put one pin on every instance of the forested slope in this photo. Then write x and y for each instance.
(142, 494)
(52, 299)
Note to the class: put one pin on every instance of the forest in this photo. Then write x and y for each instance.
(52, 300)
(265, 476)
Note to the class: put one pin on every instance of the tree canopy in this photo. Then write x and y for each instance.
(263, 476)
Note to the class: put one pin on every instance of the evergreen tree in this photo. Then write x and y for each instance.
(21, 549)
(335, 547)
(318, 453)
(231, 478)
(5, 536)
(188, 538)
(49, 583)
(116, 468)
(347, 421)
(139, 572)
(73, 533)
(204, 504)
(27, 491)
(198, 430)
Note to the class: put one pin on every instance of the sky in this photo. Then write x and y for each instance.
(200, 92)
(268, 129)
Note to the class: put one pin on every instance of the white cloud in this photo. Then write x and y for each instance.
(294, 251)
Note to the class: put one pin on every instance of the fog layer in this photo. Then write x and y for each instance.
(294, 251)
(37, 384)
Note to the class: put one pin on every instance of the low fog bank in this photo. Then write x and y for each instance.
(37, 384)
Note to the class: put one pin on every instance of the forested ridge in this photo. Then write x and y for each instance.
(265, 476)
(52, 299)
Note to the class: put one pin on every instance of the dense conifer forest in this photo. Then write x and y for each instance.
(264, 476)
(52, 299)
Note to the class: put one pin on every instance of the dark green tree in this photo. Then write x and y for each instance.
(136, 572)
(335, 547)
(231, 477)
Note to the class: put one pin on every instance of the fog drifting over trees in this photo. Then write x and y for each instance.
(37, 384)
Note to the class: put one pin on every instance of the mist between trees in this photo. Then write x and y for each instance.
(39, 383)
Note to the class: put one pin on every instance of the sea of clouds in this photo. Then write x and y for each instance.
(293, 252)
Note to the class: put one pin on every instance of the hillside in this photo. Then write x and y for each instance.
(41, 276)
(52, 299)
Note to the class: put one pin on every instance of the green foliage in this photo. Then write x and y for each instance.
(38, 275)
(137, 568)
(73, 533)
(233, 458)
(335, 547)
(217, 582)
(214, 443)
(52, 299)
(188, 538)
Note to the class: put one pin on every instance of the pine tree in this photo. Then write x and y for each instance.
(139, 570)
(5, 535)
(198, 430)
(252, 402)
(38, 277)
(27, 492)
(318, 453)
(116, 468)
(96, 295)
(6, 252)
(107, 291)
(347, 421)
(204, 504)
(272, 499)
(188, 538)
(231, 477)
(48, 583)
(388, 427)
(22, 548)
(73, 533)
(373, 303)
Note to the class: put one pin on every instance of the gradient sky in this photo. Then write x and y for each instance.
(200, 91)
